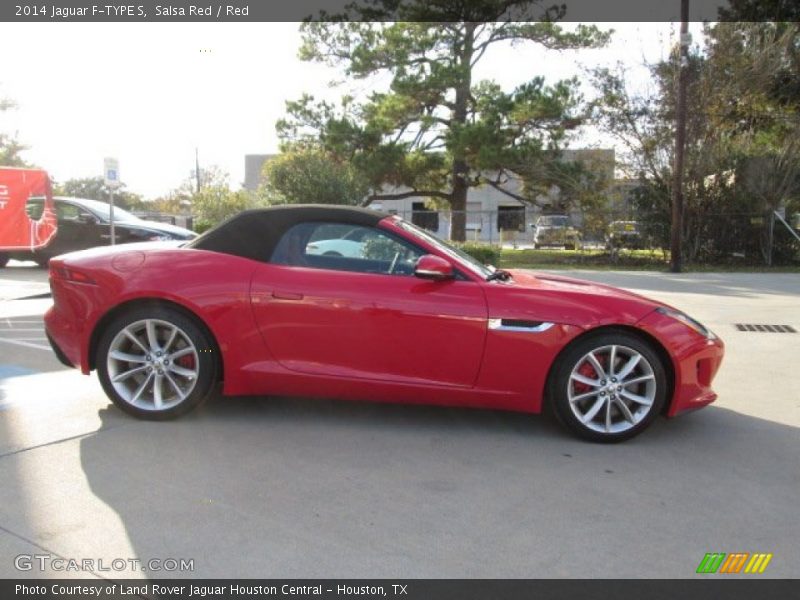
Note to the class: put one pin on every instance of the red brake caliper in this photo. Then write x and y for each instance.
(587, 370)
(187, 362)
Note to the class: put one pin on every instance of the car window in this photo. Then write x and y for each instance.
(103, 210)
(346, 248)
(464, 259)
(330, 231)
(34, 209)
(553, 221)
(69, 212)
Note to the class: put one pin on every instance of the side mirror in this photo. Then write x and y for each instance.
(435, 268)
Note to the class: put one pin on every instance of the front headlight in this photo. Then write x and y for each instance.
(691, 323)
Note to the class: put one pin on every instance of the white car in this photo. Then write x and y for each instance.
(350, 245)
(556, 230)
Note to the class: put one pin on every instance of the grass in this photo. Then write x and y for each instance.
(627, 260)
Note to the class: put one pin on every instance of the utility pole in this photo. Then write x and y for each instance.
(197, 167)
(676, 262)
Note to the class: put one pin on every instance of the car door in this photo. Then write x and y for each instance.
(77, 229)
(367, 317)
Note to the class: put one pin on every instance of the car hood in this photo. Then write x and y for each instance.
(566, 300)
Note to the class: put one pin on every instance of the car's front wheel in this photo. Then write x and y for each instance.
(608, 387)
(156, 363)
(4, 258)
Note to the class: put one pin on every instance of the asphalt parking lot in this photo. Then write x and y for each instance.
(275, 487)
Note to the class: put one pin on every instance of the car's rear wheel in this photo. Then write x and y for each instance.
(609, 387)
(156, 363)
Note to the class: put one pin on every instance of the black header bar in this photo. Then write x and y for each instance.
(398, 10)
(709, 588)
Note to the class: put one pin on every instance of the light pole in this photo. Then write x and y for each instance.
(676, 262)
(197, 167)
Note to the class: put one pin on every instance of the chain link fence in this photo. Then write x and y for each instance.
(713, 238)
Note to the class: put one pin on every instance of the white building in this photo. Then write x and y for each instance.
(495, 217)
(492, 216)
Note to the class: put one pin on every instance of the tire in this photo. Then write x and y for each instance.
(186, 371)
(593, 404)
(4, 258)
(42, 261)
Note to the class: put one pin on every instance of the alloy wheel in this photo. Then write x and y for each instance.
(611, 389)
(153, 364)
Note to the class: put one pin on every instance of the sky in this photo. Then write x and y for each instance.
(150, 93)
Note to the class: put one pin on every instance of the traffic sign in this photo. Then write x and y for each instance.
(111, 172)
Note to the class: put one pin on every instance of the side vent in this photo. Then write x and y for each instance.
(519, 325)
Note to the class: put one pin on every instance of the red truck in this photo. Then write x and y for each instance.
(18, 231)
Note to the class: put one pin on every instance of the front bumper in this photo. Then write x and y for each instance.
(62, 358)
(695, 359)
(555, 238)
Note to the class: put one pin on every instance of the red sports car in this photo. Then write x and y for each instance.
(407, 318)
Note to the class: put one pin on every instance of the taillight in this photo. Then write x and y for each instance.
(70, 274)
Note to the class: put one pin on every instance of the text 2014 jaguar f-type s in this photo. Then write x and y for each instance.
(407, 318)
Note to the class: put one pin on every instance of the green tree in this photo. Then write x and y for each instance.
(760, 10)
(436, 132)
(170, 203)
(95, 188)
(10, 147)
(758, 104)
(215, 201)
(742, 153)
(214, 204)
(308, 173)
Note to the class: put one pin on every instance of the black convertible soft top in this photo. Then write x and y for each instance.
(255, 233)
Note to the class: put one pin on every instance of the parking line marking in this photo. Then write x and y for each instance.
(11, 323)
(27, 344)
(15, 329)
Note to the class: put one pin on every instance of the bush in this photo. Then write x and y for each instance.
(488, 255)
(202, 226)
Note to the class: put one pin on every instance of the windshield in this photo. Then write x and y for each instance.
(553, 221)
(462, 257)
(103, 210)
